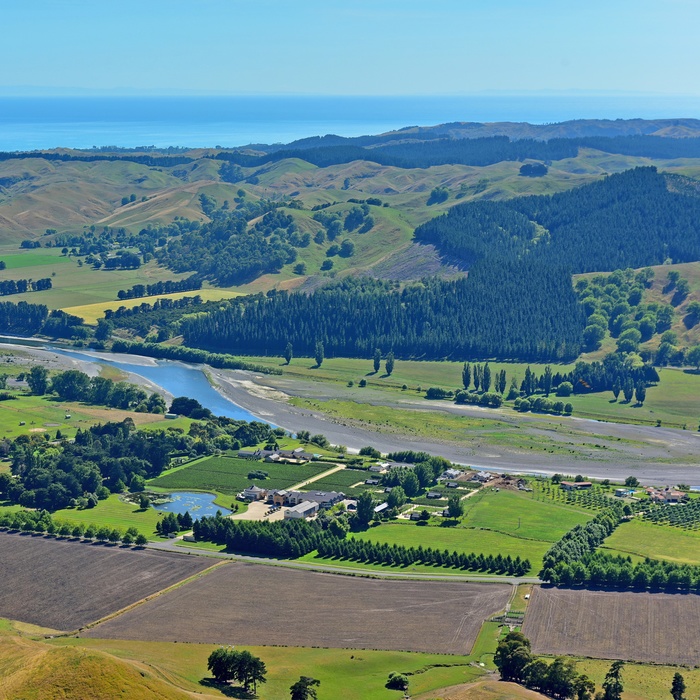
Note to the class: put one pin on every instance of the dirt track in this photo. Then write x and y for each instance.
(648, 627)
(251, 604)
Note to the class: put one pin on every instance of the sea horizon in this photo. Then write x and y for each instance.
(37, 122)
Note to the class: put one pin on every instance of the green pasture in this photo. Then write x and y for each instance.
(519, 514)
(41, 414)
(75, 285)
(445, 374)
(643, 681)
(229, 475)
(644, 539)
(36, 257)
(346, 673)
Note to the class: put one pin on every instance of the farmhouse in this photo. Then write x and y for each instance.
(379, 468)
(254, 493)
(450, 474)
(666, 496)
(482, 477)
(576, 485)
(372, 482)
(451, 484)
(433, 494)
(305, 509)
(381, 508)
(323, 499)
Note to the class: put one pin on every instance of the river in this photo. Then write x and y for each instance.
(177, 379)
(598, 450)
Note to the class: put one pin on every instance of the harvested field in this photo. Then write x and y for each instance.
(649, 627)
(251, 604)
(64, 584)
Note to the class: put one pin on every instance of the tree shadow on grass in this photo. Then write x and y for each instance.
(452, 522)
(230, 691)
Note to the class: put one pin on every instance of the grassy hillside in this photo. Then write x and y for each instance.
(33, 670)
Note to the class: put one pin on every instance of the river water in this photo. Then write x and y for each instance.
(177, 379)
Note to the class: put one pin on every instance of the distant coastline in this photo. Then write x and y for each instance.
(28, 123)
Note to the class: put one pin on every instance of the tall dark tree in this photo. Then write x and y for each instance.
(389, 363)
(678, 687)
(547, 380)
(38, 380)
(466, 375)
(305, 689)
(377, 360)
(365, 508)
(612, 685)
(288, 353)
(319, 353)
(486, 378)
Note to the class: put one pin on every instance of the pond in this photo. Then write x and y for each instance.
(197, 504)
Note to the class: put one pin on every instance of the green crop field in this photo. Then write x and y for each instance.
(229, 475)
(645, 539)
(342, 480)
(355, 675)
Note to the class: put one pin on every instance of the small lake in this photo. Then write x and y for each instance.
(177, 379)
(197, 504)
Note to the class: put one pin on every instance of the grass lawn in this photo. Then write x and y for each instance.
(351, 674)
(655, 541)
(229, 475)
(113, 512)
(90, 313)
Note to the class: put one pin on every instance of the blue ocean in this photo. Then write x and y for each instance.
(28, 123)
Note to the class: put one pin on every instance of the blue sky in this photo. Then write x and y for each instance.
(355, 47)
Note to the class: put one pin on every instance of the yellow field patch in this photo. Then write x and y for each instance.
(90, 313)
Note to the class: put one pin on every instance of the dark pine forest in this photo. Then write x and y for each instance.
(517, 301)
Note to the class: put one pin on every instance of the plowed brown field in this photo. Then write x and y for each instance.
(655, 627)
(252, 604)
(64, 584)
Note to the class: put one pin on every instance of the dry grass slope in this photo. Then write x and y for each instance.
(35, 671)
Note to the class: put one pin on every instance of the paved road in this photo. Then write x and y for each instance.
(171, 546)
